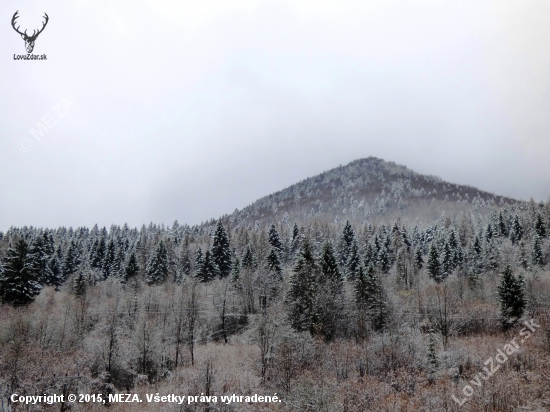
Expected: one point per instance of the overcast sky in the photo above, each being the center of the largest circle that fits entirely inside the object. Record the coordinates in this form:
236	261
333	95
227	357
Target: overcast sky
164	110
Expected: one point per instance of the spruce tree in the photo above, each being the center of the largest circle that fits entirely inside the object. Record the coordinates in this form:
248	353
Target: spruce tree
99	253
384	262
274	264
536	251
248	259
108	259
354	260
346	241
516	232
275	240
301	297
19	280
236	273
446	261
38	249
70	261
540	226
131	267
221	251
433	265
418	259
511	297
79	285
370	297
157	268
208	270
328	263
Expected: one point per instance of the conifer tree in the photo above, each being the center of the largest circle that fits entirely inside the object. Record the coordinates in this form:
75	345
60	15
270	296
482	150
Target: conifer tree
221	251
354	260
433	265
274	264
38	251
98	253
346	241
375	299
433	361
248	260
19	279
108	259
522	256
208	270
301	297
79	285
157	268
236	273
511	297
54	266
131	267
384	262
502	227
536	251
540	226
328	263
516	232
446	261
70	261
418	259
275	240
199	261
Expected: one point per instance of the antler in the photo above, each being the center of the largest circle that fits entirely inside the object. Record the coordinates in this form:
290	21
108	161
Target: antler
15	16
43	25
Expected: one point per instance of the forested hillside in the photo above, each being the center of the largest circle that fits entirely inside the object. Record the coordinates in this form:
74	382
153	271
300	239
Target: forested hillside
368	287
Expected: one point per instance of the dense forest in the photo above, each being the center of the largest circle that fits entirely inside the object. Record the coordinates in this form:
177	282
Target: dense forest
379	309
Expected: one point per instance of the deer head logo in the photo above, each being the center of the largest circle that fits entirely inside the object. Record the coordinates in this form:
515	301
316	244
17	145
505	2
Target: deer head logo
29	40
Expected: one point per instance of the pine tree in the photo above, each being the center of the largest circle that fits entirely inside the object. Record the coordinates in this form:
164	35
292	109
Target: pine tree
199	262
301	298
157	268
536	251
221	251
511	297
433	266
19	280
